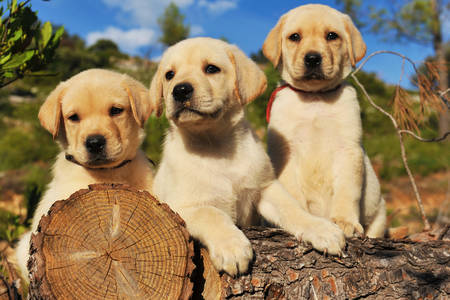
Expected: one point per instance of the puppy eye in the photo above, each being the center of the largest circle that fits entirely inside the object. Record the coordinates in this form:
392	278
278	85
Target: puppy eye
169	75
295	37
211	69
114	111
74	118
332	36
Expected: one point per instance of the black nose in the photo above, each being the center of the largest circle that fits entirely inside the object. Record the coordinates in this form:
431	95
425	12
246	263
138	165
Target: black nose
312	60
182	92
95	144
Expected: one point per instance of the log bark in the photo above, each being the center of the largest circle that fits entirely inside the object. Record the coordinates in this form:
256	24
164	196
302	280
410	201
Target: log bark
110	242
369	269
114	242
9	284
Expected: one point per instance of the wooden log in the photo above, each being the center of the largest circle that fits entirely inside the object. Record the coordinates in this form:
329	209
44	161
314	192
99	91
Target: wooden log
369	269
114	242
111	242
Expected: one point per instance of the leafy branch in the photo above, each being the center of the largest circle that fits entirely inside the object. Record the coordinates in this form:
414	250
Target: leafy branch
26	45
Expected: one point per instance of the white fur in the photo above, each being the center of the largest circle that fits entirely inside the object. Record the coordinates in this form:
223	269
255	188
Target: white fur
103	89
326	168
215	173
315	132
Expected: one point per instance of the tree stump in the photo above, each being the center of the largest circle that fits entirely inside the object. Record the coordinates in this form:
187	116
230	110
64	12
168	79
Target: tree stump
110	242
370	269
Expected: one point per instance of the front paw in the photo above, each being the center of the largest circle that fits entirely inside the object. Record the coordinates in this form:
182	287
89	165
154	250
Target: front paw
231	252
323	236
349	227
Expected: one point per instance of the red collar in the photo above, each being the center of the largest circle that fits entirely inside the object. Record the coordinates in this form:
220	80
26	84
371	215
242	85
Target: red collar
272	98
274	94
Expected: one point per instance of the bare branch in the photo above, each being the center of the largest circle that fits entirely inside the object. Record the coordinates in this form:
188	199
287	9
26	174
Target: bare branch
439	139
444	99
386	52
400	137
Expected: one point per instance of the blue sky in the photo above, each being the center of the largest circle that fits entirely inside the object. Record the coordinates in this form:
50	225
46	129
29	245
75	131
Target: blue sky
132	24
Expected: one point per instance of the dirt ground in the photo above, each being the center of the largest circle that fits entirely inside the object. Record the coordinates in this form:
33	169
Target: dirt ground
402	205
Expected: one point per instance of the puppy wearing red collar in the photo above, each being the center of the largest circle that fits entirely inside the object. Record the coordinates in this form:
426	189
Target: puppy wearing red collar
97	118
315	130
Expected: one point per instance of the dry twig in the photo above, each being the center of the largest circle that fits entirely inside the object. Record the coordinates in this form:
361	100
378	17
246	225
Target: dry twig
407	118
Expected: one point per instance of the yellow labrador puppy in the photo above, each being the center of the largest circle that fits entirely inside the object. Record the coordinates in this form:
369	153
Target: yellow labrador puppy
98	117
214	171
315	131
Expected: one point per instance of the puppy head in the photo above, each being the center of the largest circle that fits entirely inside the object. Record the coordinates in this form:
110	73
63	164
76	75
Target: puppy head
315	47
98	116
202	80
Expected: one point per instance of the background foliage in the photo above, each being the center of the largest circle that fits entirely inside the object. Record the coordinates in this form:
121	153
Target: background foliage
42	58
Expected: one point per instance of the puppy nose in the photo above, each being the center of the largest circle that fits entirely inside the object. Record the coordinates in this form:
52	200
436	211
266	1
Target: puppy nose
312	59
95	144
182	92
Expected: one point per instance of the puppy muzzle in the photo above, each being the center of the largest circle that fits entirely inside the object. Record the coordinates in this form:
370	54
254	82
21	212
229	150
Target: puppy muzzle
98	165
185	103
313	64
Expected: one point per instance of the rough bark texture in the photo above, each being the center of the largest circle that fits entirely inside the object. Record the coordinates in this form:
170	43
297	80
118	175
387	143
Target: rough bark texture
370	269
110	242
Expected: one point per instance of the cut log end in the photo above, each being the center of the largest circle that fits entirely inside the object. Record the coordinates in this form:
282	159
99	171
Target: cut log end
111	242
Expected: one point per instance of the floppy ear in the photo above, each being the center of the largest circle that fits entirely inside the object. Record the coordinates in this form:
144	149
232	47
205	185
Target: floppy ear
156	93
355	43
250	81
50	111
272	45
139	98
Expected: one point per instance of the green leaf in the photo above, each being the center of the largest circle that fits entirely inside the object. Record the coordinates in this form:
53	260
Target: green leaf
46	34
13	5
8	74
17	35
19	59
5	59
57	36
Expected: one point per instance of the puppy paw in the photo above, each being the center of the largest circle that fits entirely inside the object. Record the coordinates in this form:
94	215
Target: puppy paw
323	236
350	228
231	253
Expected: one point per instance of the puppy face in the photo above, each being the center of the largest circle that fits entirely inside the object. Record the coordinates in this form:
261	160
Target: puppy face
315	45
202	80
98	116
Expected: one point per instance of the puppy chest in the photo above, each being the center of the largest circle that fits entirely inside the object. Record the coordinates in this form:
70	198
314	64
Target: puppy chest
314	135
220	181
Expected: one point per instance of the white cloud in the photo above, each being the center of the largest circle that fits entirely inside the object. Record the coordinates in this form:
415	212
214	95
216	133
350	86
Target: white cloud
196	30
218	6
144	12
128	40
